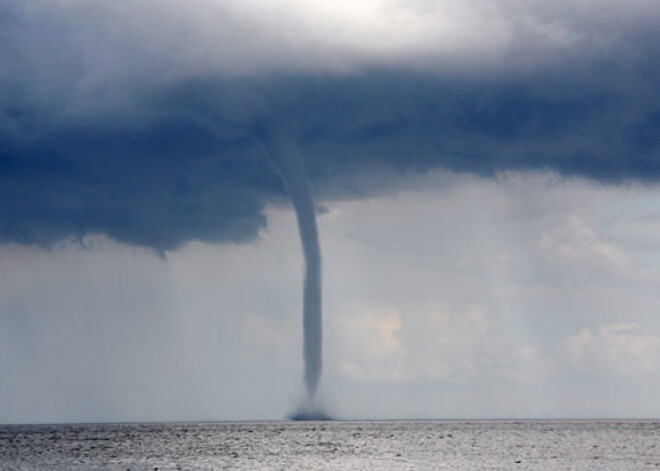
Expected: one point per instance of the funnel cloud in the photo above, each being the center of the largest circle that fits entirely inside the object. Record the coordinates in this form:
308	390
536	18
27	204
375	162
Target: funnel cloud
285	157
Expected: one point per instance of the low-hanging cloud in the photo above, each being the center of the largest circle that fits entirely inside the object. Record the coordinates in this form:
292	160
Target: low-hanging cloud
138	120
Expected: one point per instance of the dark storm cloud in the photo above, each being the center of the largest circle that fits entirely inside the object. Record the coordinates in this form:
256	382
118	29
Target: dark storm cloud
116	144
156	187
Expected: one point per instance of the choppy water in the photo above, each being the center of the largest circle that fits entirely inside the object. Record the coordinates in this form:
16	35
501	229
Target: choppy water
390	445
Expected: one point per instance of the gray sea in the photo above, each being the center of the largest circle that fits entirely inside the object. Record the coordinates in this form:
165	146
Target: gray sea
371	445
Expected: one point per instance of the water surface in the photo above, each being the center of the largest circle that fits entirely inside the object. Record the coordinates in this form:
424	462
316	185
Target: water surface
373	445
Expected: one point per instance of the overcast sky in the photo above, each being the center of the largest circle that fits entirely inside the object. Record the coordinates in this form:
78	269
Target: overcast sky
486	176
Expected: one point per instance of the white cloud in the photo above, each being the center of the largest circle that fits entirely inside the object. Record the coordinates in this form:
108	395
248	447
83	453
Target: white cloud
623	349
433	347
371	349
166	39
578	244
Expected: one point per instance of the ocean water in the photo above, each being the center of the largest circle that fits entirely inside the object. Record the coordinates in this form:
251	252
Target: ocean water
373	445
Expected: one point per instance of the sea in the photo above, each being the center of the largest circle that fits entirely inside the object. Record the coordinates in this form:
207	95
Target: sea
347	445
